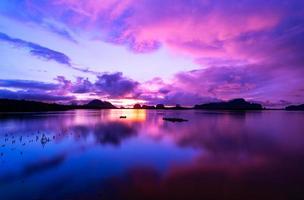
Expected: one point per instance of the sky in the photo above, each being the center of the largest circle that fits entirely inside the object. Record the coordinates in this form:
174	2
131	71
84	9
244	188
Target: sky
152	51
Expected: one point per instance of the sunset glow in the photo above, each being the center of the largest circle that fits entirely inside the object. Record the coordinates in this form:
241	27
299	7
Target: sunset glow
151	99
149	52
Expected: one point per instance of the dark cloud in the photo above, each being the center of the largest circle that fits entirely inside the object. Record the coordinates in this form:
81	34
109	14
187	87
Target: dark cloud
110	85
27	84
221	81
82	85
45	53
38	50
177	97
35	95
264	82
61	32
115	85
186	98
249	48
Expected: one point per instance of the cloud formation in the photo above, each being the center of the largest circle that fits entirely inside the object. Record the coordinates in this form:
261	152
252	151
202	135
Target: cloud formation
196	27
115	84
27	84
37	50
248	48
44	52
107	85
35	95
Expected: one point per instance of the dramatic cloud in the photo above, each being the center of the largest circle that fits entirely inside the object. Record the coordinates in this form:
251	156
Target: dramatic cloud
44	52
111	85
27	84
34	95
175	97
254	82
263	83
201	28
195	26
81	85
60	31
107	85
157	91
249	48
115	84
37	50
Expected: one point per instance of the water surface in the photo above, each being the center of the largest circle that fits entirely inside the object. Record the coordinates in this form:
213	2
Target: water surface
86	154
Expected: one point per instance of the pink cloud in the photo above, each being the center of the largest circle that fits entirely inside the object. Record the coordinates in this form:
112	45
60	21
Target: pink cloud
200	29
197	34
249	48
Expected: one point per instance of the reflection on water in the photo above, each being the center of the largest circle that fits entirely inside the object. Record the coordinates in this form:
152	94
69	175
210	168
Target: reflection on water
96	155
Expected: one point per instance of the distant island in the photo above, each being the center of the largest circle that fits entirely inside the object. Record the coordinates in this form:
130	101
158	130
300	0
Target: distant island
97	104
235	104
293	107
10	105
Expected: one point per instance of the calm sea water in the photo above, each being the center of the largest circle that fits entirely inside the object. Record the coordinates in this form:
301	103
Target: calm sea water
96	155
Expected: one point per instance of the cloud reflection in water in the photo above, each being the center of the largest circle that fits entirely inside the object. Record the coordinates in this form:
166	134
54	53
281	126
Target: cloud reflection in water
95	154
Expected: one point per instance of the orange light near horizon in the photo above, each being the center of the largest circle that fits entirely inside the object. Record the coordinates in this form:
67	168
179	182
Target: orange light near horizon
87	97
133	115
127	103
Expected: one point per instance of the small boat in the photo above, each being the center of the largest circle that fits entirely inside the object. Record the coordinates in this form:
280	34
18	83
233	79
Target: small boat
123	117
173	119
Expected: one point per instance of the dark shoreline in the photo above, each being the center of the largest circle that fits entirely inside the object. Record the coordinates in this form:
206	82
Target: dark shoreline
237	105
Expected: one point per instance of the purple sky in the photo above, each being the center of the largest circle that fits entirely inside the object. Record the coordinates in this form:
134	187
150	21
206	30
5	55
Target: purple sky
153	51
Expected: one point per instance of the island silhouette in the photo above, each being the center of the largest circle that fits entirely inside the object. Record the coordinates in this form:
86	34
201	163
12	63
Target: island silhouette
14	105
235	104
295	107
